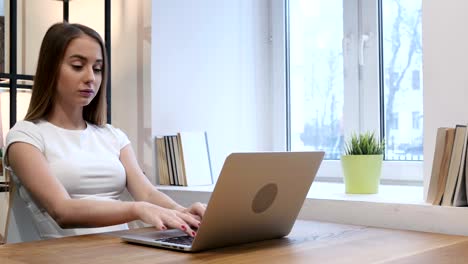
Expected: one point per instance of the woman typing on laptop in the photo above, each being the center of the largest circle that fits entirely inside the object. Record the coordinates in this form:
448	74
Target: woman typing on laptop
68	165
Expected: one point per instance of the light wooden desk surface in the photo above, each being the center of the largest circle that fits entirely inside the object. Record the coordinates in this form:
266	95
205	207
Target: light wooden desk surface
309	242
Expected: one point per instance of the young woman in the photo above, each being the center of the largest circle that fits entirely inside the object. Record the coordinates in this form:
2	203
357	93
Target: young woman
70	167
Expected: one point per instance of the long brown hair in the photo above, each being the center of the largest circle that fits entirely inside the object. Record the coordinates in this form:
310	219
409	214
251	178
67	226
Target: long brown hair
53	47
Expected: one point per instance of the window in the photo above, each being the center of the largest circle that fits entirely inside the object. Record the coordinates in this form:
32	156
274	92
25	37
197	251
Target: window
354	65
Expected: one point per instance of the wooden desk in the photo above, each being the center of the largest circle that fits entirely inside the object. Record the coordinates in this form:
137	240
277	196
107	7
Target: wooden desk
309	242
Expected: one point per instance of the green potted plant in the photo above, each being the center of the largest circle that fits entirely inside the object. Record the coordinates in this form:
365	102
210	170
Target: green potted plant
362	163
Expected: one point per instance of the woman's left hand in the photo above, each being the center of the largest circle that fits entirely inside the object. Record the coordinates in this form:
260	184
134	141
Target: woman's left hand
196	209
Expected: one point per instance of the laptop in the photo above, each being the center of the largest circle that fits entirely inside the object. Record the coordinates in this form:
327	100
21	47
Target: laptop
257	197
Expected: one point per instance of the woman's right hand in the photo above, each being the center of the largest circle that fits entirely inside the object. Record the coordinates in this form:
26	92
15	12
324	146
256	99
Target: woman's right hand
162	218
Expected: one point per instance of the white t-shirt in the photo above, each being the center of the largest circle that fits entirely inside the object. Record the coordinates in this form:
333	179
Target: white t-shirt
85	161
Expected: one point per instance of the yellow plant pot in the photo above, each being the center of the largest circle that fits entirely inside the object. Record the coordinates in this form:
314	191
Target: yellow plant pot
362	173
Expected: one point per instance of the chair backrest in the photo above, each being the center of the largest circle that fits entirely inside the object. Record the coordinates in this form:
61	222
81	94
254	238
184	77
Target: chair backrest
20	225
4	210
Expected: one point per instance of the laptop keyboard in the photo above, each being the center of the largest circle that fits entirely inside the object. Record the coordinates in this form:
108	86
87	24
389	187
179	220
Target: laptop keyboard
182	240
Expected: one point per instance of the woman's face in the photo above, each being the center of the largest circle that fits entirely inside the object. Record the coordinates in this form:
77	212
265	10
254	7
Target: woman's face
80	73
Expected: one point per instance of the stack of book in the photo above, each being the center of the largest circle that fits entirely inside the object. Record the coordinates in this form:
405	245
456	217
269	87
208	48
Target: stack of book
183	159
448	184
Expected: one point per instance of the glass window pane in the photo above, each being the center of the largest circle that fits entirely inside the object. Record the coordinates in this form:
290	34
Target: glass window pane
402	55
22	104
3	38
4	114
89	13
32	25
316	75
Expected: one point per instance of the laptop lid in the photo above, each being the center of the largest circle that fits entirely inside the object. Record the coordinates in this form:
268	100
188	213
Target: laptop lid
257	197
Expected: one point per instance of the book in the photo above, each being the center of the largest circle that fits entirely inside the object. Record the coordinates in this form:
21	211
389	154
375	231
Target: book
183	159
170	167
444	167
455	164
175	176
465	175
161	159
195	157
178	161
459	198
441	138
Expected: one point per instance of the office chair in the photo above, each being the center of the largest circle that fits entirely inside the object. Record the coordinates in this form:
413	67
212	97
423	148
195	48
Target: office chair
19	225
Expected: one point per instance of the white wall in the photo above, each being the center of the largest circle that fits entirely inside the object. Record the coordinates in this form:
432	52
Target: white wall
445	53
131	76
210	71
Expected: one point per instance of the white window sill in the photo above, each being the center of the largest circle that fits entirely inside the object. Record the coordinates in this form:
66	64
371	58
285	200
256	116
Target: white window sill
387	193
336	191
399	207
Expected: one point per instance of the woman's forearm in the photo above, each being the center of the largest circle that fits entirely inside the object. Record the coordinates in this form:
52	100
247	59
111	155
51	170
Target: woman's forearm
159	198
91	213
